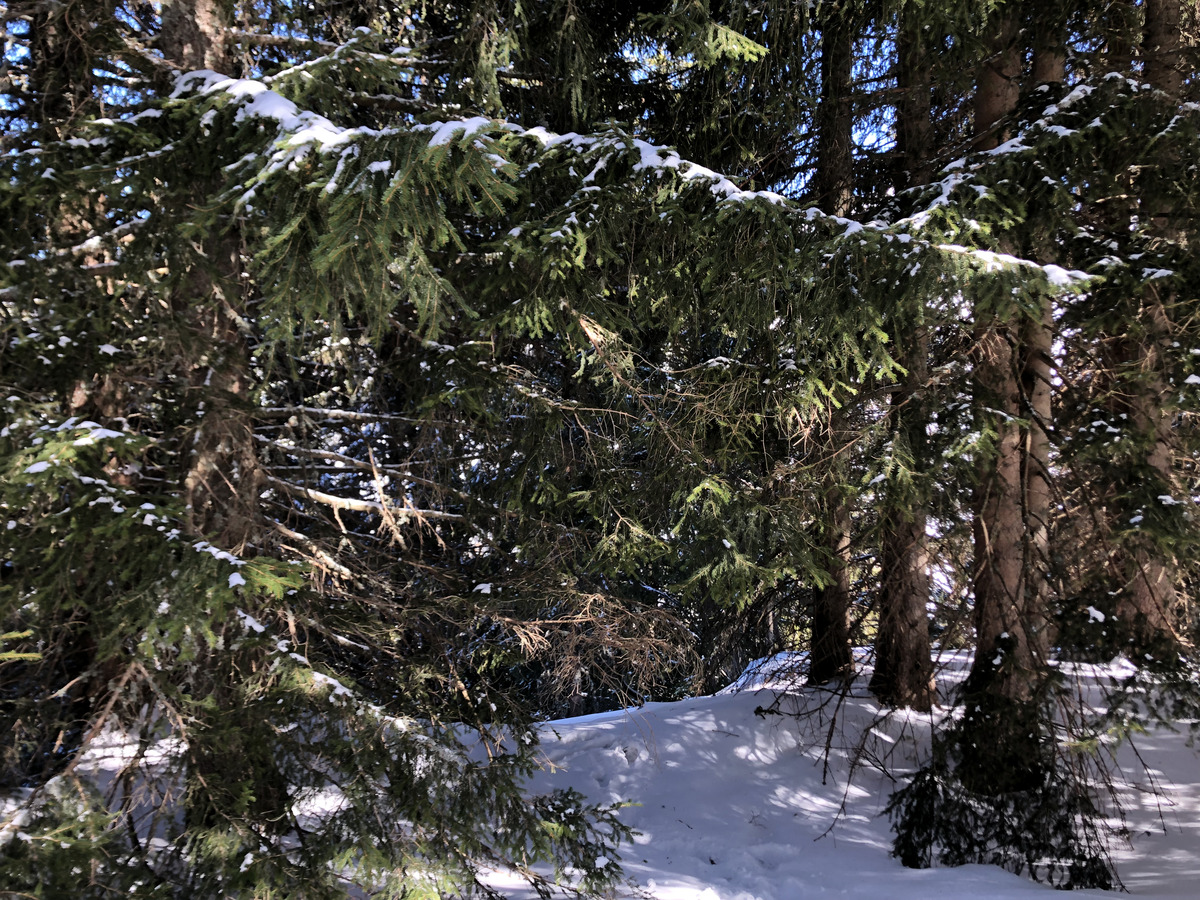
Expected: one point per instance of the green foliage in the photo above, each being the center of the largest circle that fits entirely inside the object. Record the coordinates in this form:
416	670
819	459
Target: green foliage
1001	789
365	407
1040	831
694	35
300	708
67	843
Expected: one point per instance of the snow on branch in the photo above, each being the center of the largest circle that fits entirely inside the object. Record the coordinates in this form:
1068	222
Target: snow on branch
301	132
994	262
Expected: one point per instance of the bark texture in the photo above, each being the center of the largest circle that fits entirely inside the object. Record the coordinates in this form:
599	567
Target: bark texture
1037	363
1161	46
194	34
914	123
997	86
1010	613
831	657
1120	32
222	478
834	177
903	674
1005	622
1049	57
1147	597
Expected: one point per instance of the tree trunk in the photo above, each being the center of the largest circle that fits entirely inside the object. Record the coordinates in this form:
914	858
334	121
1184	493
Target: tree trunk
222	478
1004	624
1161	46
997	86
903	668
834	190
831	657
1120	34
834	177
914	116
1147	599
1010	615
903	674
194	34
1049	55
1037	361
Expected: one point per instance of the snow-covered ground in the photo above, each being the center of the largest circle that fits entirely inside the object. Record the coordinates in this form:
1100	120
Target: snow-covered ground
739	804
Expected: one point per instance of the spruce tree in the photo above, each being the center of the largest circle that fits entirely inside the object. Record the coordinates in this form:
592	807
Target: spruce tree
302	702
353	418
380	380
1050	193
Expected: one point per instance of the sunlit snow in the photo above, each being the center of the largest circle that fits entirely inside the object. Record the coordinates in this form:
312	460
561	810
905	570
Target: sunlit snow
737	802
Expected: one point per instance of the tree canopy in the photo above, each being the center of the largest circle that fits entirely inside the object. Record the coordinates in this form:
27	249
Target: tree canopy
378	380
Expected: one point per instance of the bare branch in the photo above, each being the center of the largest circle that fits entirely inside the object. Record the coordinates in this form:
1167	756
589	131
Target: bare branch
311	547
284	412
368	506
278	40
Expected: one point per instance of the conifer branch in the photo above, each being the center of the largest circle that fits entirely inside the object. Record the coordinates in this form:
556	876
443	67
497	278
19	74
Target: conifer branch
285	412
390	101
374	507
241	36
349	462
310	547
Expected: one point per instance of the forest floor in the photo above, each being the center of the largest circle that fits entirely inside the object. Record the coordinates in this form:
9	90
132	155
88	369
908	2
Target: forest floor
772	791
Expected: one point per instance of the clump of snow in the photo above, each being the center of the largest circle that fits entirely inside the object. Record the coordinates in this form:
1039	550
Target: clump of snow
218	553
250	622
97	434
337	689
445	132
